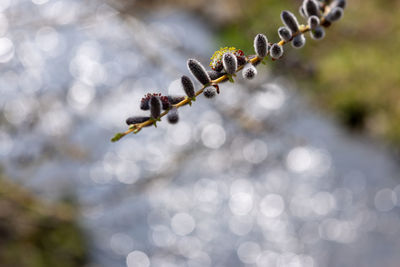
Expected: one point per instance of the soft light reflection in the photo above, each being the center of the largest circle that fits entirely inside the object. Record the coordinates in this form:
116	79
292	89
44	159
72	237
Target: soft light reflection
137	259
17	110
385	200
4	4
99	175
189	247
6	50
323	203
255	151
121	243
308	159
241	203
180	134
6	144
213	136
47	39
248	252
80	95
162	236
40	2
3	24
182	224
241	225
272	205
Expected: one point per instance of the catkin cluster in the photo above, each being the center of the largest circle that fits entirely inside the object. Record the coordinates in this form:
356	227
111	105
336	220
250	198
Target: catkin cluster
227	61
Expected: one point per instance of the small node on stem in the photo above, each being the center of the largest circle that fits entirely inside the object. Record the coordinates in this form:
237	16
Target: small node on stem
117	136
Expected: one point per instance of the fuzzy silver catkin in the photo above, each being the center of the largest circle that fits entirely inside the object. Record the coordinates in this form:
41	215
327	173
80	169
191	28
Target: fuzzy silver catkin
198	71
313	22
285	34
155	107
338	3
173	100
261	45
276	51
299	41
311	8
302	12
318	33
136	119
290	20
188	86
249	71
209	92
173	116
230	63
215	74
335	14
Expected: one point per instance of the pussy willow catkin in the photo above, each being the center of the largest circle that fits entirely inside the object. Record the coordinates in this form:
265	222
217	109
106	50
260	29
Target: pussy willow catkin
227	61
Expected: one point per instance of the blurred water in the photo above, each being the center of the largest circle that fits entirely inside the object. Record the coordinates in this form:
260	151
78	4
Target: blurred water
254	178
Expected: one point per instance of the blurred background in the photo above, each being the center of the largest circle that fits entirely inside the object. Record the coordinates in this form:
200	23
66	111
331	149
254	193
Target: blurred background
299	167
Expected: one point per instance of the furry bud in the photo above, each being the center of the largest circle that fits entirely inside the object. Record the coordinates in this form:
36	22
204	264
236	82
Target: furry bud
249	71
198	71
335	14
318	33
230	63
299	41
285	34
173	100
338	3
313	22
302	12
165	102
311	8
136	119
155	107
214	74
261	45
173	116
290	21
276	51
144	104
209	92
188	86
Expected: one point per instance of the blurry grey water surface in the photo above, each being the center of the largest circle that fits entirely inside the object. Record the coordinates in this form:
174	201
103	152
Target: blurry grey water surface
255	177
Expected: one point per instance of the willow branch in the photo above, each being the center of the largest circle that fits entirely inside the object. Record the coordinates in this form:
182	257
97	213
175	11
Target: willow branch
135	128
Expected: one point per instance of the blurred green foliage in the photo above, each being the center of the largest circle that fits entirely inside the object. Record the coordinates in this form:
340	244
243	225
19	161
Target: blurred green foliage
353	71
37	234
